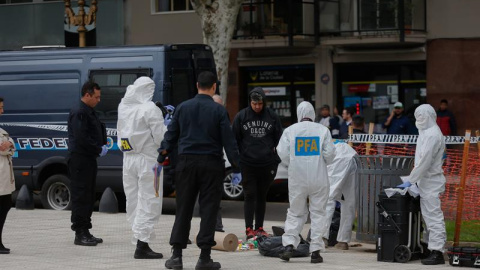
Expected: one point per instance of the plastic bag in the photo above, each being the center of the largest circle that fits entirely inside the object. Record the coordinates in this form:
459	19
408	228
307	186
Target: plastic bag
272	247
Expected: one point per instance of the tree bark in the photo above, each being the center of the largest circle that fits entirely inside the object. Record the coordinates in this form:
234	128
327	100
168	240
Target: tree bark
218	19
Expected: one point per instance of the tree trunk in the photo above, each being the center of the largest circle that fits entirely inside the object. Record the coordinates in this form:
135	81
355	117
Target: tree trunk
218	19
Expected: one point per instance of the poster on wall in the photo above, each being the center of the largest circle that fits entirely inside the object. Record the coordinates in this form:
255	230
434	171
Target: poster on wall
381	102
275	91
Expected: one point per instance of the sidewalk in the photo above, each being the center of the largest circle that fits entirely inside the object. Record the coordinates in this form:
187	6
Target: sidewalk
42	239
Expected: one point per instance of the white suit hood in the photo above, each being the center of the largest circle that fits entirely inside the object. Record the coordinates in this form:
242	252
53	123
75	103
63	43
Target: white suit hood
305	110
140	122
141	91
425	116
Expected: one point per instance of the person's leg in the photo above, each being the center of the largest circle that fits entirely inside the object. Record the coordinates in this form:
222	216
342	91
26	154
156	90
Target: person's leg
149	207
330	210
81	171
437	236
297	215
210	185
265	179
186	195
318	203
250	194
347	212
130	187
5	205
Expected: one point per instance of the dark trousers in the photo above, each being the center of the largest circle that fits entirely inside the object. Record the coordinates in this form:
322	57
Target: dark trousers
5	205
202	176
83	174
256	182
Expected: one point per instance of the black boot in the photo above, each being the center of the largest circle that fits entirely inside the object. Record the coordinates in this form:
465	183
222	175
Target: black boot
287	253
96	239
209	264
175	262
4	250
144	251
82	238
436	257
316	258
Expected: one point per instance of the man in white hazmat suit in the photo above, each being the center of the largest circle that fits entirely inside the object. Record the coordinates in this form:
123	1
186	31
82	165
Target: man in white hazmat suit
427	174
306	148
140	130
341	174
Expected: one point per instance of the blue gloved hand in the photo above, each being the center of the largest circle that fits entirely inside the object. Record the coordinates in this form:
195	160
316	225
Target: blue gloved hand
104	151
157	168
170	108
167	119
405	184
236	179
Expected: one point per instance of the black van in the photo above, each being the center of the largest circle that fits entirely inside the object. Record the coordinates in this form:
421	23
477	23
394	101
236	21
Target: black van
41	85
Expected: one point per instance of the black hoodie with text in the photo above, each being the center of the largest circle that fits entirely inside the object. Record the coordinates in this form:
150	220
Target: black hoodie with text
257	135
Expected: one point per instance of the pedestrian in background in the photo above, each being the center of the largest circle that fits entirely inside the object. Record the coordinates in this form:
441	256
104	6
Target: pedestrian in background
446	120
7	178
140	130
331	122
86	142
306	149
201	129
398	122
347	116
257	130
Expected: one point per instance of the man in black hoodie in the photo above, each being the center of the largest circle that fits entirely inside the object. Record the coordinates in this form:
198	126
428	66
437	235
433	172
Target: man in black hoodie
257	130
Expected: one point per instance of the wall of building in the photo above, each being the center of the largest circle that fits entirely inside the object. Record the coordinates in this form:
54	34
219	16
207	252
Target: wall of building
143	26
36	24
453	19
453	73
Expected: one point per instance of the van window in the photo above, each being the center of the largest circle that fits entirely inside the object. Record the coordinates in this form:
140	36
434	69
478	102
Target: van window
114	85
40	93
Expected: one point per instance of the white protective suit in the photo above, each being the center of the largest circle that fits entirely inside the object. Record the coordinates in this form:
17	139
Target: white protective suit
306	148
428	174
140	130
341	174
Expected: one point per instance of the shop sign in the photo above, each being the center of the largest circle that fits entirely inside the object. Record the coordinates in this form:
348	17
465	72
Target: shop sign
381	102
275	91
358	88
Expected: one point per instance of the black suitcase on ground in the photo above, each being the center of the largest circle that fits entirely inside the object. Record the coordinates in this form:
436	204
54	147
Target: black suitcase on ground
464	256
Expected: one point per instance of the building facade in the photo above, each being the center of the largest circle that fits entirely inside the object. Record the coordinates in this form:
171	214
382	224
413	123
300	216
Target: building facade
363	53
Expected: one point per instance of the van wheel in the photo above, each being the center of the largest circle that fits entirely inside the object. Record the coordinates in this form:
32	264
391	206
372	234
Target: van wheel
56	193
229	191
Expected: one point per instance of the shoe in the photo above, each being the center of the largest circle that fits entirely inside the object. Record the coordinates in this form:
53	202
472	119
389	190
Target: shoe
287	253
96	239
144	251
82	238
316	258
341	246
260	232
250	233
174	263
436	257
207	265
4	250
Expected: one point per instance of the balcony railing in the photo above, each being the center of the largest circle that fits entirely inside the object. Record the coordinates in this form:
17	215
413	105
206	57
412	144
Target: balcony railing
291	19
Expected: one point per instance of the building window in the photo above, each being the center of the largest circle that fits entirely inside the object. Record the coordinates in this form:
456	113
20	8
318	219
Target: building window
13	2
172	5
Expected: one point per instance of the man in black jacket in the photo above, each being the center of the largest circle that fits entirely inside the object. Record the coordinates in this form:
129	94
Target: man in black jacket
257	130
201	129
86	141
